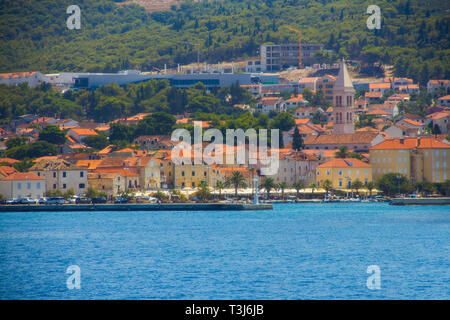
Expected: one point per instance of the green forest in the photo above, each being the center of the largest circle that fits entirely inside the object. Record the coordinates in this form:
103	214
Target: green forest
33	34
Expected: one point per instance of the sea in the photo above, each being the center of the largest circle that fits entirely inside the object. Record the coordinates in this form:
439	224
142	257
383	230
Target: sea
293	252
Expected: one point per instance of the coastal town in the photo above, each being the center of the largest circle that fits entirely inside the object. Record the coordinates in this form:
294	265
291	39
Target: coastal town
362	136
224	158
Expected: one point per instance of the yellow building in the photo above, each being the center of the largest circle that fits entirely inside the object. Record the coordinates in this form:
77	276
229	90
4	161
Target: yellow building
419	159
190	175
112	183
342	172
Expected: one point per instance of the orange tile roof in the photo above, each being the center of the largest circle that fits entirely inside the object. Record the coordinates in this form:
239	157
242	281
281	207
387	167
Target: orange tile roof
298	98
106	150
7	170
22	176
383	85
16	74
357	137
447	97
410	143
378	112
302	121
327	153
85	132
89	164
439	115
124	172
373	94
412	122
8	160
344	163
439	81
367	129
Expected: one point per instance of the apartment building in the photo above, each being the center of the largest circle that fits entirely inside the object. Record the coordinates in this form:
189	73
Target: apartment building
436	86
62	175
21	185
278	57
419	159
325	85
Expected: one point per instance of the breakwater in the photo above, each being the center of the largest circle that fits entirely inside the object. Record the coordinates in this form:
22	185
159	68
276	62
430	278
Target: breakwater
138	207
419	201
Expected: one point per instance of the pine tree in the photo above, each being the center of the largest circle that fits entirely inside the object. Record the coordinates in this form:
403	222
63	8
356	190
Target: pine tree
297	142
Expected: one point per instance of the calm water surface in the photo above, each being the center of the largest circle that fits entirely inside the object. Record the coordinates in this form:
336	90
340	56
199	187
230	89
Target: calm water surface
296	251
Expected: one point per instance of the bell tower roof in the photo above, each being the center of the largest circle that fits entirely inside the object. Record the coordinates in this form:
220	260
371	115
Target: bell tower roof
343	81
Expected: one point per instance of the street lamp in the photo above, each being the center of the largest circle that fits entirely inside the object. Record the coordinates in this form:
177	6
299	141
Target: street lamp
349	184
255	199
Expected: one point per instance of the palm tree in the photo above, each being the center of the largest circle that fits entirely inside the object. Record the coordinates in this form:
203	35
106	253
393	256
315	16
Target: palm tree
220	185
268	184
356	185
342	152
203	191
282	186
327	185
370	186
237	180
313	186
298	186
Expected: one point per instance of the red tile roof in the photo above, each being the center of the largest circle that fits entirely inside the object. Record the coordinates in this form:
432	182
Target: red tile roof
22	176
411	143
344	163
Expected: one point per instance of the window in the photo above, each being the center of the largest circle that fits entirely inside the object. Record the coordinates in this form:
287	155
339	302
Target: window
54	174
64	185
340	183
182	173
328	172
193	184
64	174
81	174
182	184
193	173
54	186
38	185
28	185
19	185
340	172
81	186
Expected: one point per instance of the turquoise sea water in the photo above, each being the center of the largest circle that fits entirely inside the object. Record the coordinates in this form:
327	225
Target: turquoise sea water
296	251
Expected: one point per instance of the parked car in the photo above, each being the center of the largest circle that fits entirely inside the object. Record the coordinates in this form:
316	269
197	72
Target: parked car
12	201
2	201
121	200
55	200
72	199
27	200
42	200
82	200
99	200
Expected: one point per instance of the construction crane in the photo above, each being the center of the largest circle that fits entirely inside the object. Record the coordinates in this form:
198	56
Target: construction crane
300	65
